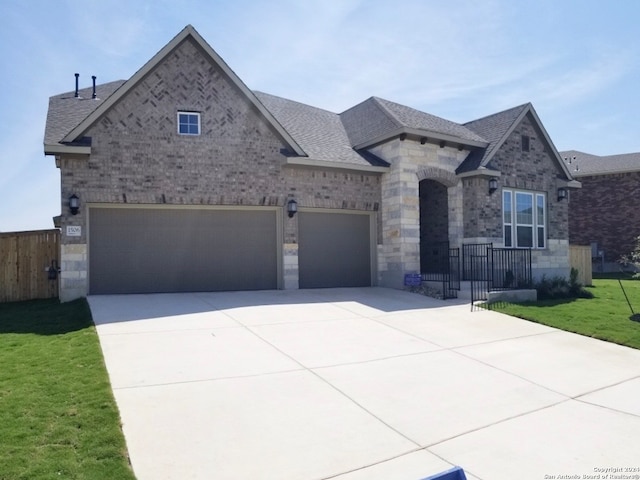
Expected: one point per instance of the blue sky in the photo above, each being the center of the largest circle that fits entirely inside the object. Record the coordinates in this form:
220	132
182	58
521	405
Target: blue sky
577	61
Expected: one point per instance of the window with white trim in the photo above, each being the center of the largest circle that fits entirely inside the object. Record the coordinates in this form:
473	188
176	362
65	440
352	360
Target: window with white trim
188	123
524	217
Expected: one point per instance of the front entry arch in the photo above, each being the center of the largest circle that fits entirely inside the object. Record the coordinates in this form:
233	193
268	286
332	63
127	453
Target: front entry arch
434	223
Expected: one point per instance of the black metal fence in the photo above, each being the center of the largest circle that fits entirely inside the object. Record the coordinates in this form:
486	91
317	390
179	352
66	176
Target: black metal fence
440	263
494	269
511	268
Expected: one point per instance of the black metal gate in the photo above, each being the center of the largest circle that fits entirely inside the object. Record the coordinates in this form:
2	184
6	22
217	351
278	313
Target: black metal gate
440	263
477	260
474	258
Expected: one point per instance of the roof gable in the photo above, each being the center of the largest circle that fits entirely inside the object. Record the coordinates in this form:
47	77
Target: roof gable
497	128
187	32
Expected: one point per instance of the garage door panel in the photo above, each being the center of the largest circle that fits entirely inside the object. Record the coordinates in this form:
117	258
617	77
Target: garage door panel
158	250
334	250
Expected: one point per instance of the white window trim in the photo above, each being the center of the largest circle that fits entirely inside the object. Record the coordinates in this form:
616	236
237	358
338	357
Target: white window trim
185	112
535	225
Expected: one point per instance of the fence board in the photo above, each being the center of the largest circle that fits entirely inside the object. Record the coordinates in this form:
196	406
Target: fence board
580	259
24	258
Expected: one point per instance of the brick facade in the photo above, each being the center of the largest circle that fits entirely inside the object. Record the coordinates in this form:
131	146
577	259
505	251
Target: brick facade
535	171
605	211
137	157
240	159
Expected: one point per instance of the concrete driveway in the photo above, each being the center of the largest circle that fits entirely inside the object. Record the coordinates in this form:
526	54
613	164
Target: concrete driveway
358	384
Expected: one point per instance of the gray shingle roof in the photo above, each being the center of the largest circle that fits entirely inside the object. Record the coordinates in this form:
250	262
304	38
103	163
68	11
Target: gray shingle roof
410	117
376	118
582	164
319	132
66	111
323	135
493	128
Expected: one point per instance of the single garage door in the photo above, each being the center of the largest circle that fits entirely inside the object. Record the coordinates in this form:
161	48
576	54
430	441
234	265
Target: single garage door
134	250
334	250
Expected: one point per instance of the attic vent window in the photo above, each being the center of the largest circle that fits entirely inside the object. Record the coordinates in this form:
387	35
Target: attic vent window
188	123
525	143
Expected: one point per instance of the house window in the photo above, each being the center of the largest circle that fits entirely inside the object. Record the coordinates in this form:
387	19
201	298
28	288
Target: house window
188	123
525	143
524	219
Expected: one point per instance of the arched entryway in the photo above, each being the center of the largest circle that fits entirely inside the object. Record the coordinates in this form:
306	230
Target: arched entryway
434	225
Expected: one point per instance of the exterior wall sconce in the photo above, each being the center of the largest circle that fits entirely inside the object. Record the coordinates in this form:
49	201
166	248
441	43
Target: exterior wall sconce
493	185
74	204
292	208
562	193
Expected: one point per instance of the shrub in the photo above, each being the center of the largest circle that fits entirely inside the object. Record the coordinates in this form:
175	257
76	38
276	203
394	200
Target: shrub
559	287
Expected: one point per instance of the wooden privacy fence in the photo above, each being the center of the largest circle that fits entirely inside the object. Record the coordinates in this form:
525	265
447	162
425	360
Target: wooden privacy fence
24	260
580	259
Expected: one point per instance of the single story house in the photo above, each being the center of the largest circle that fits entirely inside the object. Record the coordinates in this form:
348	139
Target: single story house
181	178
604	213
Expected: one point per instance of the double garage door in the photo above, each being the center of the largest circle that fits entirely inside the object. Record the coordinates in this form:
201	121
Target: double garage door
151	250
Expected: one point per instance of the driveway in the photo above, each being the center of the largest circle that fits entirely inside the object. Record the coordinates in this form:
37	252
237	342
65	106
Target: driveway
361	383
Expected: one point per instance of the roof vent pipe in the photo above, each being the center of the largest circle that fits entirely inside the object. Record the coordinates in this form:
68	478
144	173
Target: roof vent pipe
77	94
93	77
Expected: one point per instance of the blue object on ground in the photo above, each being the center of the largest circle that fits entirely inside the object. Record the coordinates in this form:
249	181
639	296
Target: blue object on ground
456	473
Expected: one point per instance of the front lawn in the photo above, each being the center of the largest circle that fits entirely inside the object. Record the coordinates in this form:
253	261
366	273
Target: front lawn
606	316
58	417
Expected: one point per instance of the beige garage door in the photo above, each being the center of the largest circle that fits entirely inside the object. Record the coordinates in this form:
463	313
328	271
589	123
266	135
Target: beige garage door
181	250
334	250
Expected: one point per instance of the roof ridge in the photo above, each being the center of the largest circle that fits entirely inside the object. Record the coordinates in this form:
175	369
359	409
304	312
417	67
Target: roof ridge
258	92
522	106
390	115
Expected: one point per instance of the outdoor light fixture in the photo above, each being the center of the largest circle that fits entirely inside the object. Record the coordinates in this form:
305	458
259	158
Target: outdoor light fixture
74	204
562	193
493	185
292	208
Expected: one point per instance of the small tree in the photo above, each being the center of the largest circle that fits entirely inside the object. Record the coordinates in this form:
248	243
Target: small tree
632	259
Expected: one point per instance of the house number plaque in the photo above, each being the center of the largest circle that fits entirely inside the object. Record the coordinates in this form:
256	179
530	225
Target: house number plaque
74	231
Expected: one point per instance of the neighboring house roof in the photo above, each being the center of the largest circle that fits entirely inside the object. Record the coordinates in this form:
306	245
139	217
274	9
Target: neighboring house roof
320	133
583	164
376	120
496	129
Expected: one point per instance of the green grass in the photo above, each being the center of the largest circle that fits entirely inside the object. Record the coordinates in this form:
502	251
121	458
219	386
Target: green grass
607	316
58	417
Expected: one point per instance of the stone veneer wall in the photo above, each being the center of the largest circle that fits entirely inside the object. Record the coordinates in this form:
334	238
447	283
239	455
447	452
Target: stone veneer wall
605	210
138	158
399	252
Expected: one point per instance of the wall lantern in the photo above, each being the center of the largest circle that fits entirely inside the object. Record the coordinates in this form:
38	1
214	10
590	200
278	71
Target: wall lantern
74	204
562	193
493	185
292	208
